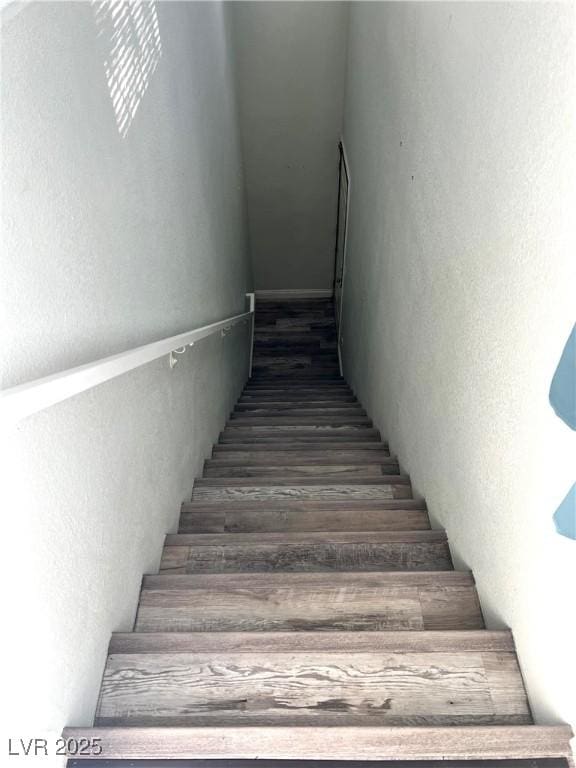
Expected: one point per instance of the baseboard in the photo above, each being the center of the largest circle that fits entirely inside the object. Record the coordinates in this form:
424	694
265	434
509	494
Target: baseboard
295	293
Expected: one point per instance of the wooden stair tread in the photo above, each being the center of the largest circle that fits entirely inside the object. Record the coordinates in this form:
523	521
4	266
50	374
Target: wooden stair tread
407	601
297	381
271	401
309	551
368	537
317	351
294	427
318	458
307	441
306	678
285	458
286	505
298	374
271	421
335	743
283	406
308	445
282	436
272	414
235	471
313	488
309	392
304	387
265	480
294	387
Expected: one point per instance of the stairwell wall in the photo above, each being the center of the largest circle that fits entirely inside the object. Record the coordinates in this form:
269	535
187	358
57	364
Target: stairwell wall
459	293
116	233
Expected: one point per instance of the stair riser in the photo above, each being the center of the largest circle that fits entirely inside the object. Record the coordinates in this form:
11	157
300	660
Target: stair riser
296	442
268	345
295	377
302	557
316	350
303	481
295	384
323	447
241	421
296	400
214	469
299	406
221	520
307	412
357	432
287	458
305	393
321	365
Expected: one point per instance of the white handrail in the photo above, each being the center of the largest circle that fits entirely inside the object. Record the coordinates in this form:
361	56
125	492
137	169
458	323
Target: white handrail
18	402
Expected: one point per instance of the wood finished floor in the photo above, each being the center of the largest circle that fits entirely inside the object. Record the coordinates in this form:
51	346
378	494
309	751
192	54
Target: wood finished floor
305	590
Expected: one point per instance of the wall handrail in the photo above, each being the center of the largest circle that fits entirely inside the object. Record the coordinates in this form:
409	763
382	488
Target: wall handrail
25	399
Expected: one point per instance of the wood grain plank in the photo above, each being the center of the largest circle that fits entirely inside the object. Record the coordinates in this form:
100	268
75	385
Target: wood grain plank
309	445
266	481
227	470
305	687
379	551
285	441
314	505
349	537
242	421
298	406
343	743
318	458
304	515
489	642
220	519
286	410
273	602
288	429
294	491
263	397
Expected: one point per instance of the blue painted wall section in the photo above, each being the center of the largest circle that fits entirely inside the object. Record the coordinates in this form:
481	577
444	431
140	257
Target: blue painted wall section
563	387
565	515
563	400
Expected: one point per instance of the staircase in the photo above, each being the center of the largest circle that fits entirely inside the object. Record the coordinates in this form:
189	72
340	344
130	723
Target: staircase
305	610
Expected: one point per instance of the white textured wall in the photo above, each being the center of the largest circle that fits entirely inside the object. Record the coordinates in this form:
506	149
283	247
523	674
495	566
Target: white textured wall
459	295
109	242
291	60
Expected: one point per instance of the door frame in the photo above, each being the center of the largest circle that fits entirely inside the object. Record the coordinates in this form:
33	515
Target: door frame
343	167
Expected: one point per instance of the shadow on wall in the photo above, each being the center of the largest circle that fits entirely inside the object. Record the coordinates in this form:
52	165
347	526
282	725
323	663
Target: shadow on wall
130	35
563	401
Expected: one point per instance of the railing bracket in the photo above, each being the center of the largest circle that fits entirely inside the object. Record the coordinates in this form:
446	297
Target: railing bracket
172	360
